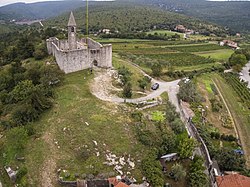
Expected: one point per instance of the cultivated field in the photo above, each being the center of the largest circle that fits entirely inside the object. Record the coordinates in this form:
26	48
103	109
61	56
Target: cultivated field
179	55
240	113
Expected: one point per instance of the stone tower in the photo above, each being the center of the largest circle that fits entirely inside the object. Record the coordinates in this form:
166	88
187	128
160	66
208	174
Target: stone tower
72	32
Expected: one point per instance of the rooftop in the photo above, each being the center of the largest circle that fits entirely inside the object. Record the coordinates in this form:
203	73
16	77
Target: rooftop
72	21
233	180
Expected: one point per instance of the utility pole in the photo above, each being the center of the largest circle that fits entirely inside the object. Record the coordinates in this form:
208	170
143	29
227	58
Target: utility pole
87	21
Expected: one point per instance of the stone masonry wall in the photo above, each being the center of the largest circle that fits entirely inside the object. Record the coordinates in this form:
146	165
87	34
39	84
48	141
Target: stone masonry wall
79	59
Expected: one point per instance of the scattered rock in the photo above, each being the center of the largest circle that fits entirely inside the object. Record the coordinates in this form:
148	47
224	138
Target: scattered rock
95	142
122	161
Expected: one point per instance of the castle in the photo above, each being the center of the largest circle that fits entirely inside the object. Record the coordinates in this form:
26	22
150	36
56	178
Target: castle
77	54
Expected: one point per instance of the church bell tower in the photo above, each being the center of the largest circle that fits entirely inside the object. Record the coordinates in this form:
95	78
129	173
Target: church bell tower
72	32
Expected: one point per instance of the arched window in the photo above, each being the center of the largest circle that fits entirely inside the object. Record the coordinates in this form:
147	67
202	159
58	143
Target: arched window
72	29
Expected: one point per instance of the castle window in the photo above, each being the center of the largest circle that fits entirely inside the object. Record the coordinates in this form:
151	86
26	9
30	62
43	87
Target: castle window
72	29
95	63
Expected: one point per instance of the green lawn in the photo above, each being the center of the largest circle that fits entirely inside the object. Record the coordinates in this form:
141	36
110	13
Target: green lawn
222	54
197	67
163	32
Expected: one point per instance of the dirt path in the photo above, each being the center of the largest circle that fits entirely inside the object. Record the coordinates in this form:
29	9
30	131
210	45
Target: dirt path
48	174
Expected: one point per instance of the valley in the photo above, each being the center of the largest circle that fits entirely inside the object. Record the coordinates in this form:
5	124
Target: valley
171	110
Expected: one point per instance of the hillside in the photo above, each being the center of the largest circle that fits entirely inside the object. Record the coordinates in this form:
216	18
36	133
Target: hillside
40	10
234	15
126	18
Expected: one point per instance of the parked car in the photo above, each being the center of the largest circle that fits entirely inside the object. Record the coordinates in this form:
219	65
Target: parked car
155	86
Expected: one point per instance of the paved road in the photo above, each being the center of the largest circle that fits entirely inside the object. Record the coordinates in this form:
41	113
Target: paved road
171	88
245	74
102	89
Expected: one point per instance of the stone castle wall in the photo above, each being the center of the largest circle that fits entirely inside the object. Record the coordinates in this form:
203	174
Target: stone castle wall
79	59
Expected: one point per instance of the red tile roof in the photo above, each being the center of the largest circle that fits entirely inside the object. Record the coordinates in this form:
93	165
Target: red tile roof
117	183
113	181
233	180
121	184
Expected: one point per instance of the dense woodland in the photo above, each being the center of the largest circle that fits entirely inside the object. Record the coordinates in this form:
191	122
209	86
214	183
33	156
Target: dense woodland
233	15
25	85
128	18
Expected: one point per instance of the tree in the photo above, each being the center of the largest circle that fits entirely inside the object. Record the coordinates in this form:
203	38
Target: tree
125	74
177	126
152	170
230	161
168	143
156	69
171	113
186	147
158	116
39	54
22	90
25	47
188	92
245	52
237	61
127	90
144	82
51	75
178	172
196	175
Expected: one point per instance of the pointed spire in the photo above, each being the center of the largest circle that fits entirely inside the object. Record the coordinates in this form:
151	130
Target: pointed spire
72	21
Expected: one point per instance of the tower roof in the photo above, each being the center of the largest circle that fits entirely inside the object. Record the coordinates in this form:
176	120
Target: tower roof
72	21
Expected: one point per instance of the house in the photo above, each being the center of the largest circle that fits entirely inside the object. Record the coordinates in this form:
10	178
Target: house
189	32
180	28
238	35
117	182
233	180
106	31
229	43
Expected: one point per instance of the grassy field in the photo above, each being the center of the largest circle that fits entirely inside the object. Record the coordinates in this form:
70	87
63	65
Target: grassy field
67	133
239	112
221	55
197	47
163	32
